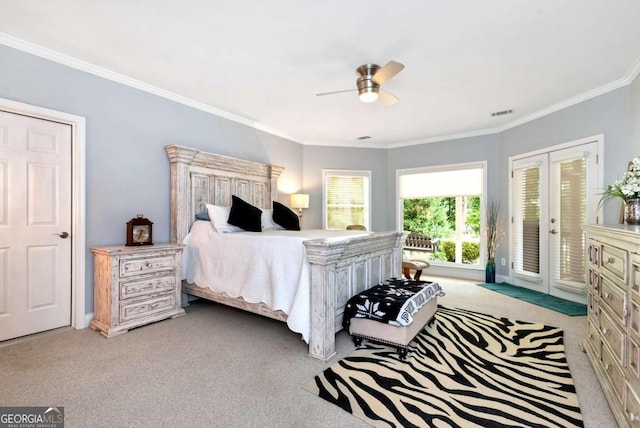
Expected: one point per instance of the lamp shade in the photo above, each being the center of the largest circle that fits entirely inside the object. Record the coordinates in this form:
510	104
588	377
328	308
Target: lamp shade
299	200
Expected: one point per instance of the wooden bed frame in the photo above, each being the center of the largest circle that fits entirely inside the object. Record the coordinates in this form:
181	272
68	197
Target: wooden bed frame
339	268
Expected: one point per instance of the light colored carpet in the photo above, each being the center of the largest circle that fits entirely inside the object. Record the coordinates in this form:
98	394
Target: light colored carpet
221	367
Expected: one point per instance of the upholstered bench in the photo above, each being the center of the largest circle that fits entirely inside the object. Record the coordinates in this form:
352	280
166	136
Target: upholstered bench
392	313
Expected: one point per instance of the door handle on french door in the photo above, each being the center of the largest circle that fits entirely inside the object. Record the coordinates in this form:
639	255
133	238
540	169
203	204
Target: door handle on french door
63	235
553	231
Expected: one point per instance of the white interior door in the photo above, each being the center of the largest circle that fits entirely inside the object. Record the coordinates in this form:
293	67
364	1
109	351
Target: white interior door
35	222
553	197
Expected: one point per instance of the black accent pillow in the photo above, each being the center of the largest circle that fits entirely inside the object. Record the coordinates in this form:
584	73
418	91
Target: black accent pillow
286	218
245	215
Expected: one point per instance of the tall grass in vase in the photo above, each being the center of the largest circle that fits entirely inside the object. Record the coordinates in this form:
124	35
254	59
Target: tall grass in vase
493	237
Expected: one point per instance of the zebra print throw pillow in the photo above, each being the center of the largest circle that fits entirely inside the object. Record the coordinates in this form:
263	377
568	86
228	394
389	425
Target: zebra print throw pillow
466	369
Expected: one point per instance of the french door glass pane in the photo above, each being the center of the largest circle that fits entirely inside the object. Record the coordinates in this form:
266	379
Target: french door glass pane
573	209
527	220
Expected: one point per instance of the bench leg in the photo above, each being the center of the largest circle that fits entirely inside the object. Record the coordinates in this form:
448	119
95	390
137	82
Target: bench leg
417	275
402	352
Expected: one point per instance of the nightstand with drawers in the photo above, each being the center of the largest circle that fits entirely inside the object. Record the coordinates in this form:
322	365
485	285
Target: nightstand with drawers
134	286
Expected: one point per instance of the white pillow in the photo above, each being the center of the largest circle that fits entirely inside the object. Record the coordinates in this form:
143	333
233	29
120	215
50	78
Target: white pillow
267	221
218	215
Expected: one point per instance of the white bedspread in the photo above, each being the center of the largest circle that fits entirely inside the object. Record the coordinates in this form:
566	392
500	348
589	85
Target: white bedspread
269	267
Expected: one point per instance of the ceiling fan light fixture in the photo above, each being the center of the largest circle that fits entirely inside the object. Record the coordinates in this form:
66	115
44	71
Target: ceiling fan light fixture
367	89
368	96
370	77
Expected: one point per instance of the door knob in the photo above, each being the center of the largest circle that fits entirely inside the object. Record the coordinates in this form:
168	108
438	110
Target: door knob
63	235
553	231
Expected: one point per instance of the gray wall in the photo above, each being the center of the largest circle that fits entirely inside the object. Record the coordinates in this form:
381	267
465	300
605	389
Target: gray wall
635	117
317	158
473	149
608	114
127	170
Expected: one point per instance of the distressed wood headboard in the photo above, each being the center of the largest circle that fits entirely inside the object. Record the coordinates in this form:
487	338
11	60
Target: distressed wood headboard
199	178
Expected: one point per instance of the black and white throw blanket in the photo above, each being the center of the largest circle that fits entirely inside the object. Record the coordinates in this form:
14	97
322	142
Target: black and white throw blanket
392	302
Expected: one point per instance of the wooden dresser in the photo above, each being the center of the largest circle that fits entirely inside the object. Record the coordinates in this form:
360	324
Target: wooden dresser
613	339
134	286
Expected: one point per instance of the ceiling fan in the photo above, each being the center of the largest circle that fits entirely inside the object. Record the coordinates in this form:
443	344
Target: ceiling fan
370	77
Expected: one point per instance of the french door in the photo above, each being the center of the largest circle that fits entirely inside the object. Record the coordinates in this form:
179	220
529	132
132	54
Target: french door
554	194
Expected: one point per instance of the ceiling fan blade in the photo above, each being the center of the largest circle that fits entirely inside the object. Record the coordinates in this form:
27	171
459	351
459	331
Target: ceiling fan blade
387	98
335	92
389	70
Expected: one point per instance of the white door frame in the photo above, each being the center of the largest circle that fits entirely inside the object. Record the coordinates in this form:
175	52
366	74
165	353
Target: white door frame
599	140
78	140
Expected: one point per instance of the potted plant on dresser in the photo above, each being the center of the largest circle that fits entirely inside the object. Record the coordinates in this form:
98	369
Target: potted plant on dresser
628	190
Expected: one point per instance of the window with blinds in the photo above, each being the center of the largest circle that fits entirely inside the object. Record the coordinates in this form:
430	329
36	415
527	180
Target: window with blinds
526	220
573	209
346	198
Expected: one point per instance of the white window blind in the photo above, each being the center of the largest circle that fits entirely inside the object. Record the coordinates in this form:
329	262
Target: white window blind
450	183
346	198
526	220
573	209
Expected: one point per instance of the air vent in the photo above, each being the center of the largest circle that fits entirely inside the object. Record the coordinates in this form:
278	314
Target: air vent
501	113
364	137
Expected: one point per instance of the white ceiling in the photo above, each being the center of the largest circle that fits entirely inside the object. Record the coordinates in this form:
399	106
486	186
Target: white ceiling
262	62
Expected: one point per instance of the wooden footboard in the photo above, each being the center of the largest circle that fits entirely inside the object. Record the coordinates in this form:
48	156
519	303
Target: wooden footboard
340	269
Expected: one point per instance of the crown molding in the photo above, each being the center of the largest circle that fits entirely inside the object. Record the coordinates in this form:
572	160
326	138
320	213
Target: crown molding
447	137
634	71
612	86
75	63
87	67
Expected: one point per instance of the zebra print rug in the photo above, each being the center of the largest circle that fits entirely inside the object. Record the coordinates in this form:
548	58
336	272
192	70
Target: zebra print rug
466	369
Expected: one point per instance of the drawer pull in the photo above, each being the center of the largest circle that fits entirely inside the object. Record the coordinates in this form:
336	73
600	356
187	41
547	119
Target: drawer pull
610	260
607	367
605	331
633	417
606	295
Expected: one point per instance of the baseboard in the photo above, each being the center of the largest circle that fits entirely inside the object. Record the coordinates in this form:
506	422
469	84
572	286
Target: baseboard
87	318
475	274
502	278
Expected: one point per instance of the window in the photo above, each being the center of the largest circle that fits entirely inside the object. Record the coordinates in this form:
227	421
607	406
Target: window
444	203
347	196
